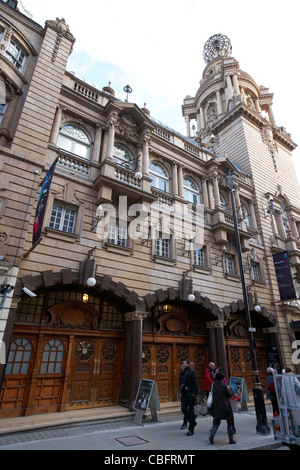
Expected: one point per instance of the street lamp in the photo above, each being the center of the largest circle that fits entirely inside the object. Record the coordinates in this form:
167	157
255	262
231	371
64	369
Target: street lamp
262	426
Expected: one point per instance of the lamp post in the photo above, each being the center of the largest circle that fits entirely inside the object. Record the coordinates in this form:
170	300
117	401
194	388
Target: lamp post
262	426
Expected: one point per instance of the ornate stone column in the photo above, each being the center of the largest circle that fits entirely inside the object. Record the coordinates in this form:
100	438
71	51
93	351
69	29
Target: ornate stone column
145	156
97	144
174	179
56	125
180	181
204	192
132	360
235	83
210	195
217	344
219	102
202	118
216	189
229	87
188	129
111	136
271	115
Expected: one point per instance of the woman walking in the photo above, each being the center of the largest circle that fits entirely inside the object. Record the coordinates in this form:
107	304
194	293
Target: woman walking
221	408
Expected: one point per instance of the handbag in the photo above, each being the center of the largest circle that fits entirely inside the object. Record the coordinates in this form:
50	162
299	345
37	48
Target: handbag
209	401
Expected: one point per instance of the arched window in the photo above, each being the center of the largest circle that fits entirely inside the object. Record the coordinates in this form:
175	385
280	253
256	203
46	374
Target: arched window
52	357
74	139
123	156
19	357
222	202
16	54
191	191
160	177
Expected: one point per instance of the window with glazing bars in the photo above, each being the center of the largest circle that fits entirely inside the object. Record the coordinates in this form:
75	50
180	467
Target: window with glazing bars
162	247
19	357
15	54
117	233
229	264
52	357
254	271
199	257
63	218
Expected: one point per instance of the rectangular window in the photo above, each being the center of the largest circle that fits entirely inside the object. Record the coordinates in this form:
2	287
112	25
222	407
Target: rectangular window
229	264
254	271
162	247
199	257
117	233
63	218
15	54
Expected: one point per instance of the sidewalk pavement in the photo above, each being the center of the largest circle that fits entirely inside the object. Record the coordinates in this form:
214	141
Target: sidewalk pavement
121	436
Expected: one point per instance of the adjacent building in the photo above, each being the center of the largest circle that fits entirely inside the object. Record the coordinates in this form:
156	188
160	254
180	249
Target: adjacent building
133	265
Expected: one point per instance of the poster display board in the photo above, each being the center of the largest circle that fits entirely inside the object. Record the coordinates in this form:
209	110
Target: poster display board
240	393
146	397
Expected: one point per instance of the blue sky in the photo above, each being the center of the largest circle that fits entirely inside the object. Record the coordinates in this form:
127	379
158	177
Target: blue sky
156	47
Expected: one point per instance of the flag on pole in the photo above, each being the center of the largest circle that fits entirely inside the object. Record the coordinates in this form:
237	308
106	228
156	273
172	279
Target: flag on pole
42	203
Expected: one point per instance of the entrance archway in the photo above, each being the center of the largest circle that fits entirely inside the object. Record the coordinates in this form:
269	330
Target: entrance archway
173	331
65	354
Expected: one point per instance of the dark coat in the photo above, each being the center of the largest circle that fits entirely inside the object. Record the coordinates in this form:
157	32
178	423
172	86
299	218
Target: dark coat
190	381
221	406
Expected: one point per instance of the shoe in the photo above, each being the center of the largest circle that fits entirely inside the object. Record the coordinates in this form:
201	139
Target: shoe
190	433
211	440
230	435
184	426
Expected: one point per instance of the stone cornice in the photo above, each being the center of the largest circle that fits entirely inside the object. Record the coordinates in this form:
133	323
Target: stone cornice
243	110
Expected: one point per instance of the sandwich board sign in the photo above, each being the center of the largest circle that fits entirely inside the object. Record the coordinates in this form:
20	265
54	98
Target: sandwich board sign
146	397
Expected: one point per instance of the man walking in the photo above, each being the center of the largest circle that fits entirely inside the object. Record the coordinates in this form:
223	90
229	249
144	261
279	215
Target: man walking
188	396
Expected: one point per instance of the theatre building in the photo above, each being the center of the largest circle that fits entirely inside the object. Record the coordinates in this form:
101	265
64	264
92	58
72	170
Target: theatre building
134	262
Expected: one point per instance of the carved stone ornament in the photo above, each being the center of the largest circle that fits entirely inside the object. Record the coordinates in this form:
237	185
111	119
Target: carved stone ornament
62	30
127	126
268	139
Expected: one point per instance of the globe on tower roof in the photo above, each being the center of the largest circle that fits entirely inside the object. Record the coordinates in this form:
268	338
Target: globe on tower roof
217	45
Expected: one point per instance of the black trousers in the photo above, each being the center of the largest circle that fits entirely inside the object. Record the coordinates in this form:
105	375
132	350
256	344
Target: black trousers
187	408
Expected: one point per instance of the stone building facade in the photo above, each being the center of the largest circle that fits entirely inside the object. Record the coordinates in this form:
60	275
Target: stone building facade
136	266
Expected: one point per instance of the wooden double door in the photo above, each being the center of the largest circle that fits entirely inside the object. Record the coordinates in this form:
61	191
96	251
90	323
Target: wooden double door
240	364
161	362
95	373
54	372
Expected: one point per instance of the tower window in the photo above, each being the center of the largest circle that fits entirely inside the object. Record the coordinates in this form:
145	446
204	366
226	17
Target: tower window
15	55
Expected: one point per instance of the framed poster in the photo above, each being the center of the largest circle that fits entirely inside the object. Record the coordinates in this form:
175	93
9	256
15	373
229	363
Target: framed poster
143	395
236	385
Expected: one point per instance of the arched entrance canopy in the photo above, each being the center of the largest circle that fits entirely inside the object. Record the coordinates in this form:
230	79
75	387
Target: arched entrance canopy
66	277
265	318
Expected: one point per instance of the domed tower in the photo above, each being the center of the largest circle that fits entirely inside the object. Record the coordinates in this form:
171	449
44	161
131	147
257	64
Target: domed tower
234	118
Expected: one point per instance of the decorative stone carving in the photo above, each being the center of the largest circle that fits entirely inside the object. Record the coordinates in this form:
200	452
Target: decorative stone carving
62	30
127	126
268	139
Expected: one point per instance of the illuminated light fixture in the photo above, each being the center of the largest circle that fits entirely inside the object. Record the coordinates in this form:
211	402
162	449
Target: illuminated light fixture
85	298
91	281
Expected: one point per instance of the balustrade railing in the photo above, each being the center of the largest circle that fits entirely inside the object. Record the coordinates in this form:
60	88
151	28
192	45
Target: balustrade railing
74	164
